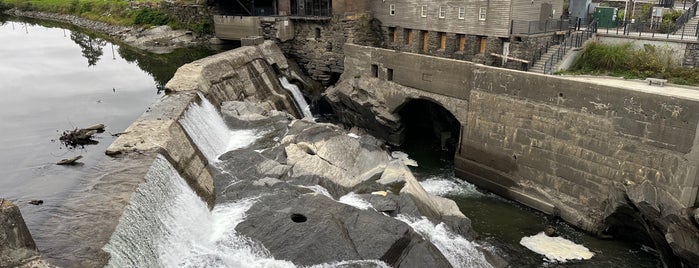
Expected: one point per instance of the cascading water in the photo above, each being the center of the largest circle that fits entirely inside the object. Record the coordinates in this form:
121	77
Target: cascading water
167	225
209	132
301	103
459	251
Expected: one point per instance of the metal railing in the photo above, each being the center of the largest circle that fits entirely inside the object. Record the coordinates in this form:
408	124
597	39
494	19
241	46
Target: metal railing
657	30
572	40
688	14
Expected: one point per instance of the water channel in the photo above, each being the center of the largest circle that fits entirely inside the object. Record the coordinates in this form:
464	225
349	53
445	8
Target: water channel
55	78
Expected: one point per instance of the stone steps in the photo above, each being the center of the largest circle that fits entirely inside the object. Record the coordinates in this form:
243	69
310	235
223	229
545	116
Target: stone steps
538	66
690	27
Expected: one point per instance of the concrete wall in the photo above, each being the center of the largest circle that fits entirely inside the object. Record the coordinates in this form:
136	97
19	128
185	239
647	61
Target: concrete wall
236	27
576	149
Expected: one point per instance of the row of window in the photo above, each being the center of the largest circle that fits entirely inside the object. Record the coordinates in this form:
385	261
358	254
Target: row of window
408	39
442	12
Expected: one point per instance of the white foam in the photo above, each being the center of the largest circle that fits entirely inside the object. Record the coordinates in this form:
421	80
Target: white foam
459	251
356	201
352	135
556	248
318	190
449	186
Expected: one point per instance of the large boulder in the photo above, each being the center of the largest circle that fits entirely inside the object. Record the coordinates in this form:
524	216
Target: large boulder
291	225
17	248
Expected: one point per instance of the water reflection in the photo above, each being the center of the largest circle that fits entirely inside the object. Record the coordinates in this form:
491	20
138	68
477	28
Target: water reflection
47	88
91	46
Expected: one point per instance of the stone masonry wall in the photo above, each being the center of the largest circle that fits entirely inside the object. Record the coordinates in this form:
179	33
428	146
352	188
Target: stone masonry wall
578	150
691	56
321	57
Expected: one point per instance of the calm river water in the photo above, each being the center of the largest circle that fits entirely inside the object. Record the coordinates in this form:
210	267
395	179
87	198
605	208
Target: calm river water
54	78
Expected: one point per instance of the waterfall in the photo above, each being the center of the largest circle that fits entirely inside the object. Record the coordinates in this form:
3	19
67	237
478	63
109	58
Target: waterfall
206	128
301	103
167	225
459	251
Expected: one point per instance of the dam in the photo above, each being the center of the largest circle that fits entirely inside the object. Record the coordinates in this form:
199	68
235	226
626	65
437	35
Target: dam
169	162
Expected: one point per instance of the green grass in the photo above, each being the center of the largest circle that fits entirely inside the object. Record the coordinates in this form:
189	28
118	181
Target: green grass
625	61
118	12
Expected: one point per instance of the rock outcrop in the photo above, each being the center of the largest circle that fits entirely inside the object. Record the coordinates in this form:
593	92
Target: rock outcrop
17	248
299	179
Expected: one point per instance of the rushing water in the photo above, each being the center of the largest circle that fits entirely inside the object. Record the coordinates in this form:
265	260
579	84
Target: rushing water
301	102
209	132
56	77
503	223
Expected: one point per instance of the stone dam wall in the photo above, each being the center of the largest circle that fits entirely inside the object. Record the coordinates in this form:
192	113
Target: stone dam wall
579	150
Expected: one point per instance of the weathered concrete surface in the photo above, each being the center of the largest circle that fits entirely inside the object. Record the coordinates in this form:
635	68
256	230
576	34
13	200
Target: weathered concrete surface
579	150
358	103
16	244
245	73
159	129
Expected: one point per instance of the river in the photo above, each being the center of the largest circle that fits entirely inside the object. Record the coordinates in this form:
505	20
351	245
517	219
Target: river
55	77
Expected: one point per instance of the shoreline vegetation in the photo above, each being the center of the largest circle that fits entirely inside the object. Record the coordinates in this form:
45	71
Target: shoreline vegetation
625	60
116	12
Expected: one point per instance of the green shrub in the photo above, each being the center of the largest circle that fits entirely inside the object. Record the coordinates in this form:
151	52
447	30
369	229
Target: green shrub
149	16
624	60
73	7
4	6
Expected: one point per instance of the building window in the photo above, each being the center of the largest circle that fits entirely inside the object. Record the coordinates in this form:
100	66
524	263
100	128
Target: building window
392	34
389	74
375	70
425	40
462	42
423	12
481	13
484	41
442	12
408	34
462	13
392	9
442	41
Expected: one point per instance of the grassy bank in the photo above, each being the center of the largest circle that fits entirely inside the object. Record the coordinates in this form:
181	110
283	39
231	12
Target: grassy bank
634	63
118	12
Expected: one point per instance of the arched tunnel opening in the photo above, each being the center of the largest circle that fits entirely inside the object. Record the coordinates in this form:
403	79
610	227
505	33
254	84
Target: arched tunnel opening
431	135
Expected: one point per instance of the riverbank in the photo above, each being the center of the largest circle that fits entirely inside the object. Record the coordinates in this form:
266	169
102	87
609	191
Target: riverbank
157	39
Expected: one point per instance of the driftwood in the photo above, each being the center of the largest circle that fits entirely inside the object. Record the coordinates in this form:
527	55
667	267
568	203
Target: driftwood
97	127
82	136
36	202
69	161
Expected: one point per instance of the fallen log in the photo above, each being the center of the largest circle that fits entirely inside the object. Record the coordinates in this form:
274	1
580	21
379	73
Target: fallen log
97	127
69	161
